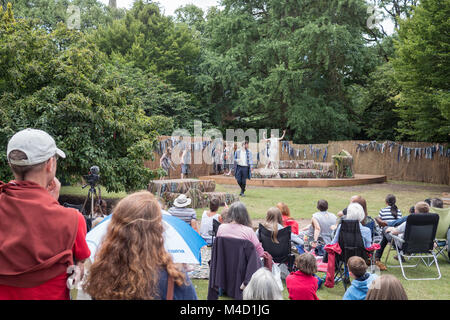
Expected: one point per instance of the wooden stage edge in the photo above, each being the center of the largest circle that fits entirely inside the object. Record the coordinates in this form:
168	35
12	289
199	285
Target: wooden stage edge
359	179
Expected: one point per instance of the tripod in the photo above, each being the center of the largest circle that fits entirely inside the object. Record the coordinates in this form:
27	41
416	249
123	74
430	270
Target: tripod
92	193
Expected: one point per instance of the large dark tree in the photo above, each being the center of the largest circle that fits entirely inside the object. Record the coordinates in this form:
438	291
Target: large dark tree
286	64
422	68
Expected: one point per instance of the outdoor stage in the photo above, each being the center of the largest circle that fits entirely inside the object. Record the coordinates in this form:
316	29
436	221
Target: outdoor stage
359	179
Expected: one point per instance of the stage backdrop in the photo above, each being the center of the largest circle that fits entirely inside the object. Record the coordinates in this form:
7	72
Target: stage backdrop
404	161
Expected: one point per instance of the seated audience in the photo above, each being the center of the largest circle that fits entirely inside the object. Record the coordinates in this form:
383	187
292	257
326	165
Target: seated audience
391	215
420	207
239	226
368	222
437	203
100	212
180	210
274	222
362	279
322	223
386	287
132	263
206	226
303	284
356	212
286	216
262	286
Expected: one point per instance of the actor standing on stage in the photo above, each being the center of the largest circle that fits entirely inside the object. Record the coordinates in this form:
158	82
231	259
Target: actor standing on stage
273	149
243	162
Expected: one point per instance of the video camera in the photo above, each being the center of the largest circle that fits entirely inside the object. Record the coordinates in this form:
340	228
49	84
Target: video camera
93	177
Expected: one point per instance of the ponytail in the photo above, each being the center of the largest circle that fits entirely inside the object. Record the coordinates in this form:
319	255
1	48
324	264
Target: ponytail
390	200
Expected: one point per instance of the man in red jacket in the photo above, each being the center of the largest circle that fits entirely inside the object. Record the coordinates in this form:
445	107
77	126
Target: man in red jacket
39	238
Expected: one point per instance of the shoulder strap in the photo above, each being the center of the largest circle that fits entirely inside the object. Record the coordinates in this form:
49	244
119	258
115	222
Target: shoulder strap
170	286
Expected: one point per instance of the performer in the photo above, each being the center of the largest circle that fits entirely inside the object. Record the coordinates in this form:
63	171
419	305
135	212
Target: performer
166	162
242	162
185	160
273	150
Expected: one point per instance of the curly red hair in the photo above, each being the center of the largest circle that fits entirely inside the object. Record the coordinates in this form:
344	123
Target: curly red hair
132	254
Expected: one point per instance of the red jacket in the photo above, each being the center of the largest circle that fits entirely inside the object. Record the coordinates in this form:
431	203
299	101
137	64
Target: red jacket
288	221
37	236
302	286
332	249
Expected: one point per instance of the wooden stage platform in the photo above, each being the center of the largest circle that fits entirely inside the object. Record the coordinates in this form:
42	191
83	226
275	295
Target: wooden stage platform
359	179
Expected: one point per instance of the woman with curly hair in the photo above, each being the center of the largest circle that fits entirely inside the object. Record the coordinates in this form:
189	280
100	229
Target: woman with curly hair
132	262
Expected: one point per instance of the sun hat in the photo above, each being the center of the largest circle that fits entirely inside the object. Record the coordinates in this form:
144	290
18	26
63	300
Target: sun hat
37	145
182	201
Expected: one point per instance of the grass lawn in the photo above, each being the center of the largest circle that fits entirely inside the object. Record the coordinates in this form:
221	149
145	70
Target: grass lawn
302	203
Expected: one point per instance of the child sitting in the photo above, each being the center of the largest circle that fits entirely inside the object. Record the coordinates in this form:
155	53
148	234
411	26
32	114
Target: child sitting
302	284
358	270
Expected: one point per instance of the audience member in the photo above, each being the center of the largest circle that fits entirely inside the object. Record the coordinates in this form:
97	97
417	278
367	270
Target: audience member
262	286
274	223
356	212
420	207
362	279
302	284
322	222
132	263
386	287
367	222
286	216
391	215
206	226
43	237
240	226
437	203
180	210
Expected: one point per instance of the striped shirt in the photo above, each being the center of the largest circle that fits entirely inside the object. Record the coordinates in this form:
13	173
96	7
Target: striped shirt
185	214
386	214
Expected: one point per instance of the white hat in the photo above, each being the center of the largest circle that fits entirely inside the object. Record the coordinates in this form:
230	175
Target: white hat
38	146
182	201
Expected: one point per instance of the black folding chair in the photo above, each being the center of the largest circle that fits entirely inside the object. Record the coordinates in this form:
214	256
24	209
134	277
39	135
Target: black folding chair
216	225
418	242
352	244
280	252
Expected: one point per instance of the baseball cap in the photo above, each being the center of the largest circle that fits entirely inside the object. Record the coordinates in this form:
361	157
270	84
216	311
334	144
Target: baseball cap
38	146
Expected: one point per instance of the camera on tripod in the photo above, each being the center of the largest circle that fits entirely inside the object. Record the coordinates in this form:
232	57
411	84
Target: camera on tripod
95	198
93	177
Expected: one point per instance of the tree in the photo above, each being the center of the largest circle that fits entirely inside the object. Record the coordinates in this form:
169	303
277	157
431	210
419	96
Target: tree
421	68
154	43
288	63
49	13
192	15
59	82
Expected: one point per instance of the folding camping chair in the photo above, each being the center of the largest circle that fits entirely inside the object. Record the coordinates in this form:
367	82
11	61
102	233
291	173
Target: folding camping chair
216	225
280	252
352	244
418	242
442	232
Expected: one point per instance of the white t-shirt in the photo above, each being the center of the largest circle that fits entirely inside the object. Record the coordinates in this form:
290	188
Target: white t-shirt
242	161
207	224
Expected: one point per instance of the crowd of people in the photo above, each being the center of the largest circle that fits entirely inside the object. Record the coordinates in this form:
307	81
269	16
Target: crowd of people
41	239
